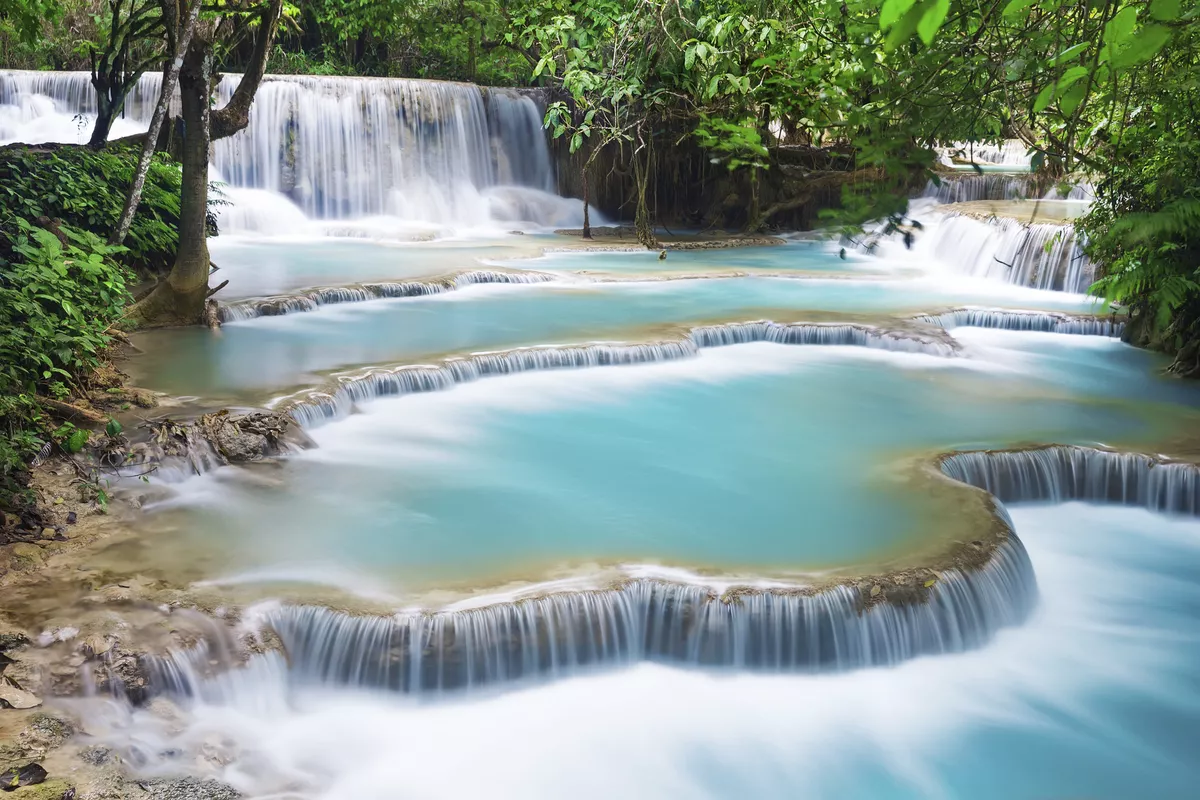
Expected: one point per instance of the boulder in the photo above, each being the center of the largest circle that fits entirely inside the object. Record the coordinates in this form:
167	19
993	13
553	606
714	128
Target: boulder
16	777
12	696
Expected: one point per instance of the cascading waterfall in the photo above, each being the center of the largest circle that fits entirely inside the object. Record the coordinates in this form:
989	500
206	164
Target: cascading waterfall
965	188
318	407
1060	473
1044	321
1038	255
560	634
643	620
341	148
1012	152
330	295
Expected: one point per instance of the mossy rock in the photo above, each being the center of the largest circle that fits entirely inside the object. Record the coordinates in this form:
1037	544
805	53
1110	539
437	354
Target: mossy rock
25	556
50	790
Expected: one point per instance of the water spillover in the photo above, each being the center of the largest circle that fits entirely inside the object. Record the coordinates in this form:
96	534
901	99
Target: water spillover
770	522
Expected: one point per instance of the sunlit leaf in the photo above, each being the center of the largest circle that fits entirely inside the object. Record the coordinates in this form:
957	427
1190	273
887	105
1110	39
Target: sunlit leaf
892	11
932	20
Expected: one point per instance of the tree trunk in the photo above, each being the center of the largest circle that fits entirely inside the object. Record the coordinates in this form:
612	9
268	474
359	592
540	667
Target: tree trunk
754	219
181	41
179	300
641	215
587	220
106	112
236	114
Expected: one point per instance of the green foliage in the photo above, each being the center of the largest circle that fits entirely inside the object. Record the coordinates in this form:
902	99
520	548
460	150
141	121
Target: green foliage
85	189
60	291
58	298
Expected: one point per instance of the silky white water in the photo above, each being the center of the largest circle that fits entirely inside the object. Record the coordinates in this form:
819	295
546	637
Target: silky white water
1096	696
387	158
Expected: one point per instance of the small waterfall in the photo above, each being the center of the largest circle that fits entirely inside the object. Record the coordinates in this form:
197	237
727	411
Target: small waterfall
318	407
1047	322
1039	255
992	186
1060	473
313	299
1012	152
562	634
429	152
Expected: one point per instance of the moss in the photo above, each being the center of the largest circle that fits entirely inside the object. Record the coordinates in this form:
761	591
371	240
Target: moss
50	790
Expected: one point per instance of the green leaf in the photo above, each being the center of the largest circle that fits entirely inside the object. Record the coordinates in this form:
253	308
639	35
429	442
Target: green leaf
1068	54
1120	27
1164	10
892	11
1144	46
1071	98
1014	8
76	440
932	20
1043	99
113	428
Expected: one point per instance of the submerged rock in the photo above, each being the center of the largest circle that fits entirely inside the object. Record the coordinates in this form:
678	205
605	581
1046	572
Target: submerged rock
188	789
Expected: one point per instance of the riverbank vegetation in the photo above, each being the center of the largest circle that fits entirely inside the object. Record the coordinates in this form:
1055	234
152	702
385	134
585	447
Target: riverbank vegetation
755	114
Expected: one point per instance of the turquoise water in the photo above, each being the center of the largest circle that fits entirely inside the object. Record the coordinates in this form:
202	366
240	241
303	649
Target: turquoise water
257	267
278	352
761	457
801	257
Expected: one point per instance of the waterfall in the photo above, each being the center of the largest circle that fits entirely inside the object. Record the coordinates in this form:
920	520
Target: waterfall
341	148
315	408
560	634
1060	473
323	296
992	186
1012	152
1038	255
1047	322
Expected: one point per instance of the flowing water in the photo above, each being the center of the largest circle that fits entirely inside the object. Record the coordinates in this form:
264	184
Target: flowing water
773	521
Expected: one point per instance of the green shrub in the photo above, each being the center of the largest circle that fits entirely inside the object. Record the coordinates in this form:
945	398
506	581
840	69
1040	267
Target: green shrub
60	291
86	188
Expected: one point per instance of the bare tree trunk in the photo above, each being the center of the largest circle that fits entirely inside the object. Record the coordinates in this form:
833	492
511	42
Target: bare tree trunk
587	220
641	215
170	78
179	300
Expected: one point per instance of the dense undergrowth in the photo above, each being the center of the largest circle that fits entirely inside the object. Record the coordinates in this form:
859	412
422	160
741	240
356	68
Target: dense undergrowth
63	288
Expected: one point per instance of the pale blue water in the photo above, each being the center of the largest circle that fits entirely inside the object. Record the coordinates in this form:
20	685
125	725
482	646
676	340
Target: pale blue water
274	352
753	457
799	256
256	267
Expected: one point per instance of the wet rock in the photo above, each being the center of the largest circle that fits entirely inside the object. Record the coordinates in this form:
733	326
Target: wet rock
239	446
95	645
13	696
28	775
11	640
24	556
188	789
96	755
45	732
